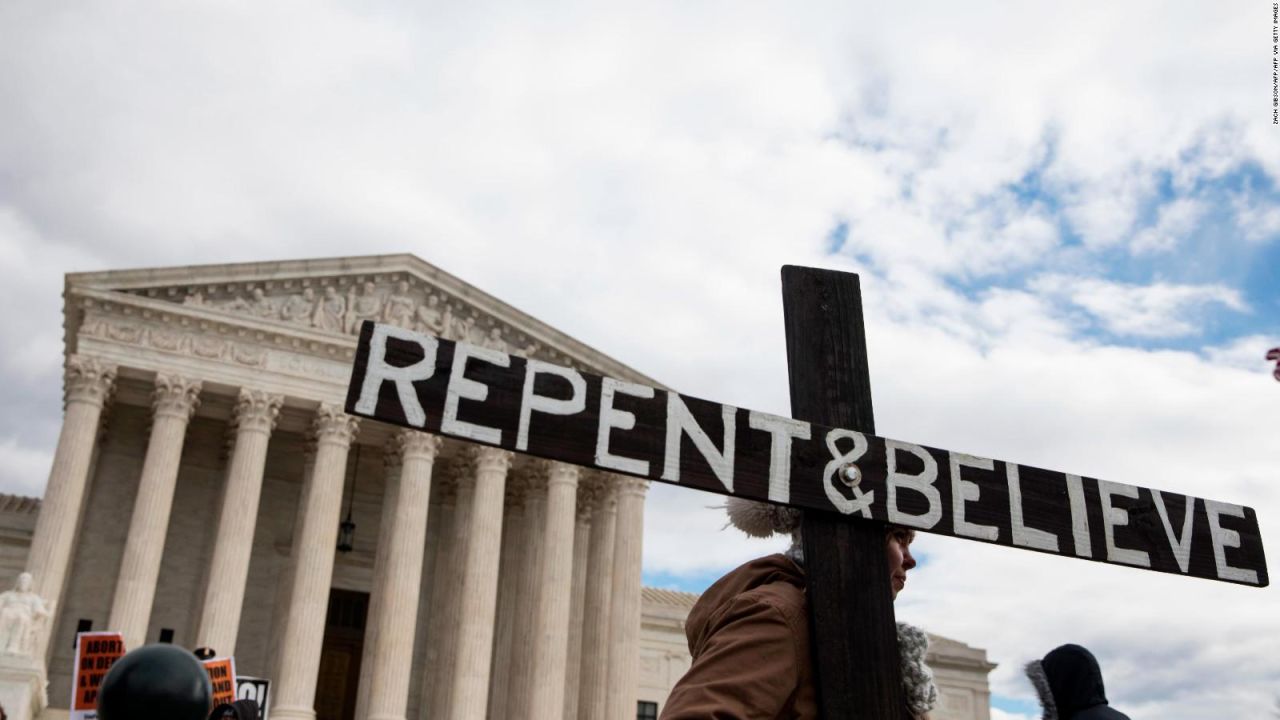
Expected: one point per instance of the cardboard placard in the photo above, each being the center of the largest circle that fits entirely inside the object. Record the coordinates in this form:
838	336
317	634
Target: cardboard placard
95	653
255	689
222	676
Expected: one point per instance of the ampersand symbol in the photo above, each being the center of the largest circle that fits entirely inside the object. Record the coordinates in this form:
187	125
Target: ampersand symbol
861	502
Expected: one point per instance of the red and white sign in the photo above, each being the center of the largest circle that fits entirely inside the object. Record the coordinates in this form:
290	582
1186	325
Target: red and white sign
95	653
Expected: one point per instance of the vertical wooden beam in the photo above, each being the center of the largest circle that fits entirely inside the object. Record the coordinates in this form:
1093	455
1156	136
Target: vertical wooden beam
850	598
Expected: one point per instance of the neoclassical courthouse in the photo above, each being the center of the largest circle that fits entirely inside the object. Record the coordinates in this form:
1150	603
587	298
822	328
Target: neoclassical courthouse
208	490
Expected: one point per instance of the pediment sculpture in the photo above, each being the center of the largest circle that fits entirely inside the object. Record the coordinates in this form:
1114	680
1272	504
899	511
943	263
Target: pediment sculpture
329	308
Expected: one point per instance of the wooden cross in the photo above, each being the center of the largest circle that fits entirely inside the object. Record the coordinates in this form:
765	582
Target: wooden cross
826	460
856	667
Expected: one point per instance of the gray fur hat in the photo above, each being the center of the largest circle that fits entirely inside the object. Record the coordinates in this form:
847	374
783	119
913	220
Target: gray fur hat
761	520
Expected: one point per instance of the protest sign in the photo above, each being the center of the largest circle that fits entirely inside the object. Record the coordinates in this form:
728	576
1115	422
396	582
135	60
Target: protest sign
222	676
95	653
255	689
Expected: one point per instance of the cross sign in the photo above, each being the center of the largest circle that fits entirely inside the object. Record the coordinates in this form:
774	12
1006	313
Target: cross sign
826	460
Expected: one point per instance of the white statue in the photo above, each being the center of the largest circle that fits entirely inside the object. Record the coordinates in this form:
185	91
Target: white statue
22	612
494	341
367	306
330	311
398	309
430	318
299	308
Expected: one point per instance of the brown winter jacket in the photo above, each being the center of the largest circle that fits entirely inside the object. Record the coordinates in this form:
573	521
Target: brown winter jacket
749	637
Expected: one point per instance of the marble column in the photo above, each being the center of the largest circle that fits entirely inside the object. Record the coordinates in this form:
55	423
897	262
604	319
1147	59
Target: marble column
437	681
480	583
513	558
402	582
315	540
256	413
577	597
594	673
528	571
624	621
87	385
555	591
390	491
174	402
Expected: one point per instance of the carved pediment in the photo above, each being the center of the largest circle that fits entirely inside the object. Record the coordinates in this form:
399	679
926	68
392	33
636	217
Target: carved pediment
333	297
340	304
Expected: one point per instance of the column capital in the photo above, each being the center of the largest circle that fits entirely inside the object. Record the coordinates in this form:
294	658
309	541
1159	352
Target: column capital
488	459
536	478
589	494
550	472
445	488
516	489
391	459
333	425
416	444
88	380
257	410
175	396
603	489
633	486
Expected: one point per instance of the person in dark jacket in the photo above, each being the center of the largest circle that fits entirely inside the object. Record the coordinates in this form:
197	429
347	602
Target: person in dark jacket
238	710
1069	683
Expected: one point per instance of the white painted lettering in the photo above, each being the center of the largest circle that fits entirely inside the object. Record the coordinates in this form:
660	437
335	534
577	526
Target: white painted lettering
461	387
378	372
963	491
1114	517
611	418
922	483
1079	517
1224	538
681	421
861	502
782	431
529	402
1023	535
1181	547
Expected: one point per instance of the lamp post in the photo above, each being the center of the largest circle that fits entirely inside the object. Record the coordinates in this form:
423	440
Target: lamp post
347	528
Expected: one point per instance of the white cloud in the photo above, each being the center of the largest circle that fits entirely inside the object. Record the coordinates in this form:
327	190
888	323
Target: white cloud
1159	310
23	470
1257	219
1247	353
1174	221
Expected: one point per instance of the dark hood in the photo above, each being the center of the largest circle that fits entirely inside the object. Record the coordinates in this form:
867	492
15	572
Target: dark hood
1073	678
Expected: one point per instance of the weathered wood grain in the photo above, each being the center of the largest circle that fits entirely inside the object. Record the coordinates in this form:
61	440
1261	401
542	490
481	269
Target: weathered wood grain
850	598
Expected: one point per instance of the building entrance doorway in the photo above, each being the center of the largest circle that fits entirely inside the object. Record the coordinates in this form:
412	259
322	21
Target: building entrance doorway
339	676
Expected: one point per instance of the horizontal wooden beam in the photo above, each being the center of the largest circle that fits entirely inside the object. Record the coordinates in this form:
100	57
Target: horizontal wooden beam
492	397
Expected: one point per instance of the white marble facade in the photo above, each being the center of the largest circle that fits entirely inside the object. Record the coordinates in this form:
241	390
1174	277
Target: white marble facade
205	464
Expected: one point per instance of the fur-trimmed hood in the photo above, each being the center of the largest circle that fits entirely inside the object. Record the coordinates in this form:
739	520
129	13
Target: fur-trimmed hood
1069	683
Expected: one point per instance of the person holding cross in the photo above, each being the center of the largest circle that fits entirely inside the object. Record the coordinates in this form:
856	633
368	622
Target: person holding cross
749	633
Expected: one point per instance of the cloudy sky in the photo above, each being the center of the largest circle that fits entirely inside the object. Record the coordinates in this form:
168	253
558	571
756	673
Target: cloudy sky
1066	217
